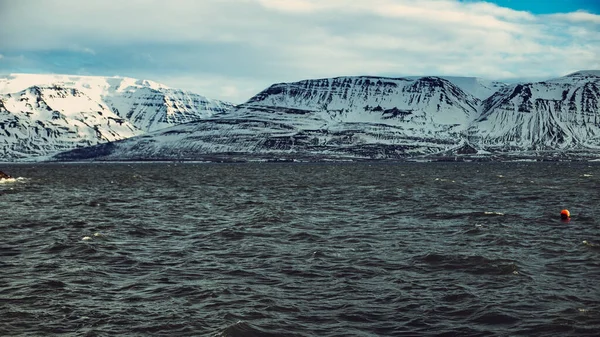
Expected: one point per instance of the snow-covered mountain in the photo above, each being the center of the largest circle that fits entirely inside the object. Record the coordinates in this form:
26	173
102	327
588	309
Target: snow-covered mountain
478	87
44	114
358	118
560	113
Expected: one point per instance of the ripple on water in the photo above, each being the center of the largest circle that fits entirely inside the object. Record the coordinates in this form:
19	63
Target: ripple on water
300	250
244	329
473	264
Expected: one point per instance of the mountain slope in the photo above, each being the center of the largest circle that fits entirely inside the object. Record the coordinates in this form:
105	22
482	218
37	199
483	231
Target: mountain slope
42	114
337	118
356	118
555	114
431	100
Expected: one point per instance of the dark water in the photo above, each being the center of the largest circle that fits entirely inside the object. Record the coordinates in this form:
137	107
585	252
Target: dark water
452	249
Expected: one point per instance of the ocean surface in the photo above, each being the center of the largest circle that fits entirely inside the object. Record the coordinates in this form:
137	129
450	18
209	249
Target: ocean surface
284	249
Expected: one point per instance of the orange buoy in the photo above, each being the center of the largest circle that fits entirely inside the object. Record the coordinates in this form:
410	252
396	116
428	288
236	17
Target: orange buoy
565	214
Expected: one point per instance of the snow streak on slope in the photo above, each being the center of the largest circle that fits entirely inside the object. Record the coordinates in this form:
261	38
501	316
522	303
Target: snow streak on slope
41	114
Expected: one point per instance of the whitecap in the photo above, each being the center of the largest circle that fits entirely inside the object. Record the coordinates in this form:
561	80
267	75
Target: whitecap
99	235
7	180
11	180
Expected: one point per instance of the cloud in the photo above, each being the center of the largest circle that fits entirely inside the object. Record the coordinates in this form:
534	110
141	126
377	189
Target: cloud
79	49
211	44
292	6
576	17
232	89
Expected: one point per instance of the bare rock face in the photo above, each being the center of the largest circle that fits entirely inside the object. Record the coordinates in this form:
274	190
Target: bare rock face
4	175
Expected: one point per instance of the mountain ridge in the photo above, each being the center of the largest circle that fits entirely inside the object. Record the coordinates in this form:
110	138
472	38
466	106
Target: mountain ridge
371	117
47	113
339	118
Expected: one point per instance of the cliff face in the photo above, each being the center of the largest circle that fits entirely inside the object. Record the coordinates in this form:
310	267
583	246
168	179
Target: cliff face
426	101
555	114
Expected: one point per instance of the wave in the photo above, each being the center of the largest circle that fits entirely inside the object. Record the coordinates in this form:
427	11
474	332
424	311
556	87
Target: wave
410	257
463	215
12	180
244	329
593	246
472	264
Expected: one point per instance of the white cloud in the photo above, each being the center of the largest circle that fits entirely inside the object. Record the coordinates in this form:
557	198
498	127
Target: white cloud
231	89
80	49
576	17
292	6
267	41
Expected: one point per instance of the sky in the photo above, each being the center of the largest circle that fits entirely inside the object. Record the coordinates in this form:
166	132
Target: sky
233	49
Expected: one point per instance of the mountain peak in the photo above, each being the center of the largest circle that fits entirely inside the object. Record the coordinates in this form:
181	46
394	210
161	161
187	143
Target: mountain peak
19	81
585	73
42	113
